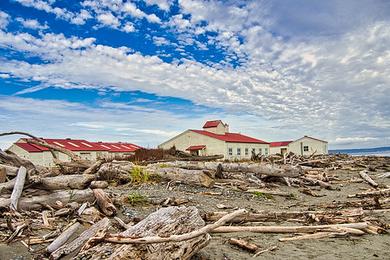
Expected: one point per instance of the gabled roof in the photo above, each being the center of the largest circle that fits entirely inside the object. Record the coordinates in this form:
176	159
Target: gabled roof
79	145
311	138
118	147
231	137
196	147
281	143
213	123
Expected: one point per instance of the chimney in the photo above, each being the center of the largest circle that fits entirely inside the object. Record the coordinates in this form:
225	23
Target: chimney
226	128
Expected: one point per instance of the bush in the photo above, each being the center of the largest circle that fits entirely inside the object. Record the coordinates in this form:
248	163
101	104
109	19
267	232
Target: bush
136	198
138	175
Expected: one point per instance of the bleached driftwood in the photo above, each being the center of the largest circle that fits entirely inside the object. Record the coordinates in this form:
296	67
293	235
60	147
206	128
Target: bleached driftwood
290	229
38	202
193	177
74	245
265	216
63	237
383	192
104	202
9	170
3	174
244	244
76	181
18	187
367	178
6	187
166	222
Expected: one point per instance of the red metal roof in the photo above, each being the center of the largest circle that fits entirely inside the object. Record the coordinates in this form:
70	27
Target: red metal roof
281	143
80	145
231	137
118	147
213	123
196	147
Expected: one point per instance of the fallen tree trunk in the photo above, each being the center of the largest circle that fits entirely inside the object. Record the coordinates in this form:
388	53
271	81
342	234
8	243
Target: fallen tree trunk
194	177
367	178
9	170
14	160
76	181
72	246
6	187
38	202
104	202
166	222
244	244
18	188
383	192
284	215
290	229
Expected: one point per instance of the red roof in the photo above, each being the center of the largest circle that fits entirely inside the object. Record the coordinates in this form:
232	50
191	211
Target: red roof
195	147
231	137
213	123
118	147
282	143
79	145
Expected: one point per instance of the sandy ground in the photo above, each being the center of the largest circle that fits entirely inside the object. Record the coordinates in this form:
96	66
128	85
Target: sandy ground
365	247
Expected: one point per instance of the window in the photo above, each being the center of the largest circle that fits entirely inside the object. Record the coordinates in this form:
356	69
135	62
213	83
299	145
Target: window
238	151
253	150
246	151
306	148
266	151
230	151
260	151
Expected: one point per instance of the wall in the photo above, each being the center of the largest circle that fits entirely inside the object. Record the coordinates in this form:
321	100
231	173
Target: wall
189	138
265	149
277	149
314	146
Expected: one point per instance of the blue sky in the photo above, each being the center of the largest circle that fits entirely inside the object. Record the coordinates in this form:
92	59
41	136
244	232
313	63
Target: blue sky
145	70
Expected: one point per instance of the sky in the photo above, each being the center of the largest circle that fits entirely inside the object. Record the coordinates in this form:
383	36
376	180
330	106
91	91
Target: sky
143	71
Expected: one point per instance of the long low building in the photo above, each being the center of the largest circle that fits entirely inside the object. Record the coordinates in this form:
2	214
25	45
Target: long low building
215	139
40	155
303	146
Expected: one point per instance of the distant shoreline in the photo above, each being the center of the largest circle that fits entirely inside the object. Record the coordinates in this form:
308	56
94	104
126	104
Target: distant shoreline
378	151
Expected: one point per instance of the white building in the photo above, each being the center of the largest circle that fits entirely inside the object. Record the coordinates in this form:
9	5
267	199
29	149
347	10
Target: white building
215	139
303	146
40	155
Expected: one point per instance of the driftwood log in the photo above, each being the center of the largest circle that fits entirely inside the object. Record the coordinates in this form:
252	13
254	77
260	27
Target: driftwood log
18	188
62	182
203	178
104	202
163	223
63	237
74	245
39	202
367	178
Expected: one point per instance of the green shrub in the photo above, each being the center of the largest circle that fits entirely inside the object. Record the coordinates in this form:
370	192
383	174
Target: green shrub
139	175
259	194
136	198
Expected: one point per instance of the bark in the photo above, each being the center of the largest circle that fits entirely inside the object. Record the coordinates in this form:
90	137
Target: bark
18	188
76	181
63	237
10	170
7	186
14	160
104	202
74	245
98	185
193	177
38	202
163	223
290	229
3	174
367	178
114	171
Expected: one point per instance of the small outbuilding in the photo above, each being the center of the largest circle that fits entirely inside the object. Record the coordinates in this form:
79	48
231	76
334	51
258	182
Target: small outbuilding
303	146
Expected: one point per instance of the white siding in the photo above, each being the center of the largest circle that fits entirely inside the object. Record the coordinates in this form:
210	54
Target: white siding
242	146
313	145
277	149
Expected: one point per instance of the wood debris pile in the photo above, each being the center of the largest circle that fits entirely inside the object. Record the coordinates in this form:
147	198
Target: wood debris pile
70	209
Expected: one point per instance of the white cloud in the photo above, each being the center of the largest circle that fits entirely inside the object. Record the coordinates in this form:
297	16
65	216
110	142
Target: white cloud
108	19
162	4
4	19
4	76
32	24
159	41
129	27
